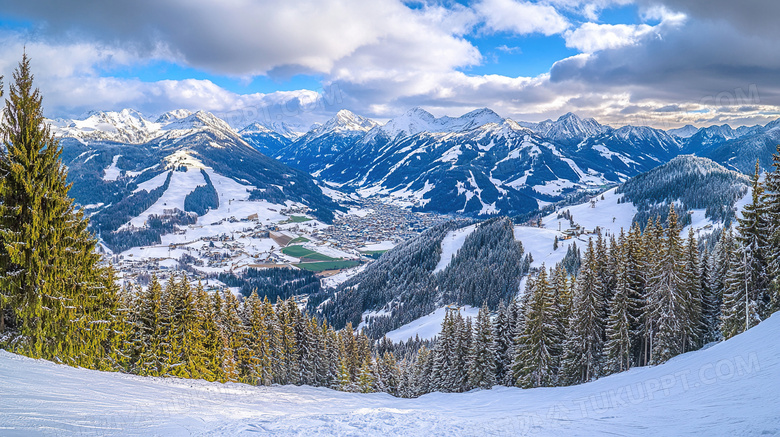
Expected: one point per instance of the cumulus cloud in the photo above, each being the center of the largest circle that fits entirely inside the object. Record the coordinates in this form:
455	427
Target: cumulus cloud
243	37
521	17
752	17
378	58
592	37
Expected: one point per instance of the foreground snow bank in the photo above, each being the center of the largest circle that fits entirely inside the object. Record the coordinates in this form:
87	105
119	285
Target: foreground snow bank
728	389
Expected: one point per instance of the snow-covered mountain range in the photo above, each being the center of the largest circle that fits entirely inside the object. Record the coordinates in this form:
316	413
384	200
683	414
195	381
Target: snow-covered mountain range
483	164
139	179
478	164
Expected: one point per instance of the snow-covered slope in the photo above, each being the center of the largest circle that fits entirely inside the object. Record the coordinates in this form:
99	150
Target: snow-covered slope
450	244
319	146
728	389
428	327
181	185
479	164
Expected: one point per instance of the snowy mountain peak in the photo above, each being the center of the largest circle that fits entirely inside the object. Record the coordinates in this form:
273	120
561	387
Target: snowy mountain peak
569	128
470	120
417	120
127	125
255	128
345	120
412	122
198	120
724	131
686	131
174	115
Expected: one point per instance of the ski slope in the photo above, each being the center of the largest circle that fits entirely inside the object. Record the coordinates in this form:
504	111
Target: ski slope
427	327
450	244
728	389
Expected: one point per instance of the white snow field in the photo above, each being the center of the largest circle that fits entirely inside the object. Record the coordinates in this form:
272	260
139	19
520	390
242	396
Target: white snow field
427	327
729	389
450	244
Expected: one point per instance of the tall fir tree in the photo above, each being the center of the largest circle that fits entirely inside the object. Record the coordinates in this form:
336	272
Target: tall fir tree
482	357
582	354
667	296
752	234
710	302
693	292
536	363
772	231
502	334
739	311
623	307
50	275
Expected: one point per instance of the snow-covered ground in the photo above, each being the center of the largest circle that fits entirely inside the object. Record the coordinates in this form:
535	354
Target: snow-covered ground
341	277
729	389
607	214
450	244
429	326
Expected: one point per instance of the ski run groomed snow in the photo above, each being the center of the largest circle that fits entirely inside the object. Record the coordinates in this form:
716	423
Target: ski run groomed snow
728	389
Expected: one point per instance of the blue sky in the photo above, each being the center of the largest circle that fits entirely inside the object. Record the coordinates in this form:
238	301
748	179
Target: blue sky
620	61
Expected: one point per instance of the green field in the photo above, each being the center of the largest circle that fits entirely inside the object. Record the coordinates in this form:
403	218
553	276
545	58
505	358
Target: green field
332	265
302	252
299	240
297	219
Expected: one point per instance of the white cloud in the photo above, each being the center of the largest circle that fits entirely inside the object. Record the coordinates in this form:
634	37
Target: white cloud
382	58
592	37
521	17
248	38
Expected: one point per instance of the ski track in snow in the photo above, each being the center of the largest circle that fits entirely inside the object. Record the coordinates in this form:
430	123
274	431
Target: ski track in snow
728	389
450	244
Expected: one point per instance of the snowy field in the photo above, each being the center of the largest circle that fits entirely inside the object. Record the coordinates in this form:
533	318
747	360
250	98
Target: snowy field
730	389
450	244
427	327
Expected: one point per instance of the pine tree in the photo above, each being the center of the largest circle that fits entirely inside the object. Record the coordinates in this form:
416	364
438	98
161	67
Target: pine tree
147	337
622	323
231	329
482	366
752	235
582	357
667	297
635	265
739	312
535	364
210	358
274	372
502	334
692	285
290	370
443	354
258	352
562	290
365	381
710	302
772	230
49	270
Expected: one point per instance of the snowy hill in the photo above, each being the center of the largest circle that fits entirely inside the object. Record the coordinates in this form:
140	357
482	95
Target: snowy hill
187	180
434	265
727	389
